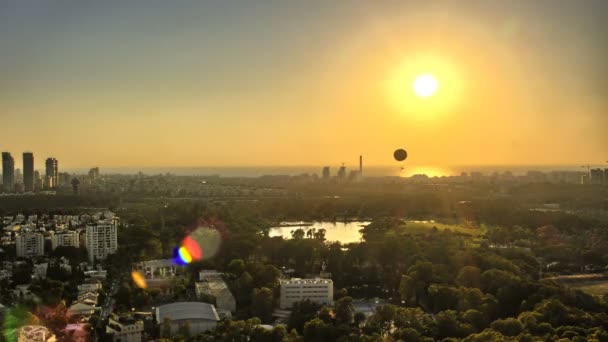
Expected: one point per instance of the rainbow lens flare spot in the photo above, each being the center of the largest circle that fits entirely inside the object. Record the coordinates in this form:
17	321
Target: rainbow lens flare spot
184	255
193	248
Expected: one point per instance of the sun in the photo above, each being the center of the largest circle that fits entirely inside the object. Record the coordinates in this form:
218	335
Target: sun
425	85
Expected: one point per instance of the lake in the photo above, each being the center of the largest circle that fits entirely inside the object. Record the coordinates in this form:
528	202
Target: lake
345	232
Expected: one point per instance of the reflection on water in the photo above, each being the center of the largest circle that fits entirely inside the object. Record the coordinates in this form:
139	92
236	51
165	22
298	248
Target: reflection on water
345	232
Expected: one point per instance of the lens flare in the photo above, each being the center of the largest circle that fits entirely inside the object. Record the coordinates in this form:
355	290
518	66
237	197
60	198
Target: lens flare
139	280
14	319
184	255
202	243
193	248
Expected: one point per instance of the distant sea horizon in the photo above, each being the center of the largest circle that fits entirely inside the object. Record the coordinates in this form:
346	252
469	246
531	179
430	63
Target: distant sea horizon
404	170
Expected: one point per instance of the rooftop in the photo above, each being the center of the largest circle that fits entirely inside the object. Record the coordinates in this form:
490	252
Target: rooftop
185	311
306	281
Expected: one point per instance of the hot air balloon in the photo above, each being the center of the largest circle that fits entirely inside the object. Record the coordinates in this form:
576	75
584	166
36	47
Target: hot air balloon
400	154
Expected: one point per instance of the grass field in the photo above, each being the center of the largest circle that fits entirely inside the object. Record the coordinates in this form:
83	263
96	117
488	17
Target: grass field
425	225
594	283
598	288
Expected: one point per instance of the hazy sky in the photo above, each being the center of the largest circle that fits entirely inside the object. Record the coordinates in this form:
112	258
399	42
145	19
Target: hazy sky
194	83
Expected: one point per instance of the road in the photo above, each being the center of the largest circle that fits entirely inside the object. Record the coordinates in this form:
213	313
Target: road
108	306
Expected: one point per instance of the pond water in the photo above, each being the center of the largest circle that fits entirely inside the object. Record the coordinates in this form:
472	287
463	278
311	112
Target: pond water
344	232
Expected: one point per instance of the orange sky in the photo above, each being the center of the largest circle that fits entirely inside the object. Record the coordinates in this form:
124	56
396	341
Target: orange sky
280	83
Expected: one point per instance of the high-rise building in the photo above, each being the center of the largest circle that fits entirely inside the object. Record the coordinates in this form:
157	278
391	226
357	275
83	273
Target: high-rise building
64	179
28	171
67	238
94	174
8	171
596	176
101	239
342	172
38	182
326	173
29	245
18	176
52	173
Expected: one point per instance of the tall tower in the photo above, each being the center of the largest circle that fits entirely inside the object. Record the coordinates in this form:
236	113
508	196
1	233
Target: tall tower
360	166
52	174
28	171
8	171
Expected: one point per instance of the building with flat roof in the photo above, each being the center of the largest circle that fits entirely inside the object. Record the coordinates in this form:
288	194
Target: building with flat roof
83	310
67	238
29	245
91	285
157	269
8	172
596	176
101	239
317	290
201	317
216	289
52	173
124	328
28	171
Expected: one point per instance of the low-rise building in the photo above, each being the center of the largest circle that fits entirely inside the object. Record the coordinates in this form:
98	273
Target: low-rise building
157	269
90	298
159	273
317	290
124	328
218	291
200	317
209	274
84	311
91	285
96	274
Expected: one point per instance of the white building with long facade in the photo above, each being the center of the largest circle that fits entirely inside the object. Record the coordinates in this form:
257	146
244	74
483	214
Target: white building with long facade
317	290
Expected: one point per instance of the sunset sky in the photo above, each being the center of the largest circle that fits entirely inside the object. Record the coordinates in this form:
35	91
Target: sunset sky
193	83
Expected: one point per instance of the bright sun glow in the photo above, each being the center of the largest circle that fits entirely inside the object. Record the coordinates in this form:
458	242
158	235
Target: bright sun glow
425	85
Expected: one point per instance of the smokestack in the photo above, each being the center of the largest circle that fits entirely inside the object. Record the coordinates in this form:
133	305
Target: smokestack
360	166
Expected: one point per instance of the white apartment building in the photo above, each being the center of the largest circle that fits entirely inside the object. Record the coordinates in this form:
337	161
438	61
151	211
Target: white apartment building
29	245
68	238
101	239
316	290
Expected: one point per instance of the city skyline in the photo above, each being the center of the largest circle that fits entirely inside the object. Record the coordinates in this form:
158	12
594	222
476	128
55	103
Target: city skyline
240	85
303	171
